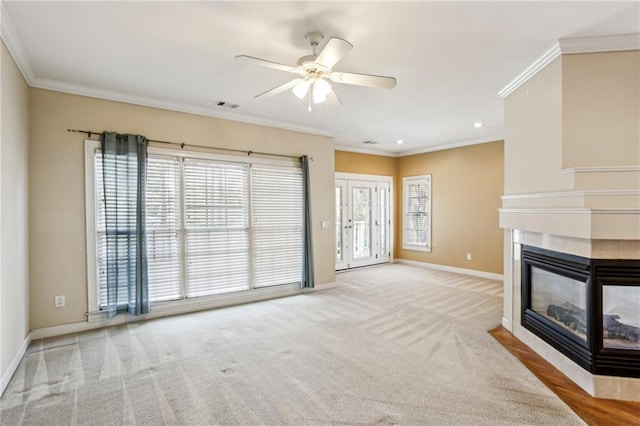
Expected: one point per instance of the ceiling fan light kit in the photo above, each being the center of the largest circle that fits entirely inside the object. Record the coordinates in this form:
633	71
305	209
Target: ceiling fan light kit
317	69
320	91
301	89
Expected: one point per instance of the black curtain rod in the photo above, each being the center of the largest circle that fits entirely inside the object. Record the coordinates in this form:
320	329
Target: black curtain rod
182	145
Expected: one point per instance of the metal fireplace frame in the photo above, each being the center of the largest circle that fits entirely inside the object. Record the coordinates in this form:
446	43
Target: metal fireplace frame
595	273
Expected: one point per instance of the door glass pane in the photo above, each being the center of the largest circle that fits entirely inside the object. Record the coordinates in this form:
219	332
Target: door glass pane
361	222
338	223
384	218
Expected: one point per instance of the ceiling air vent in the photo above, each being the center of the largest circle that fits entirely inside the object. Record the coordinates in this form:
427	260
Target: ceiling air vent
370	142
227	105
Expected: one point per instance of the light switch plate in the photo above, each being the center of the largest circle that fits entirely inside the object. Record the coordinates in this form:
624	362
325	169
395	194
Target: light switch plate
326	224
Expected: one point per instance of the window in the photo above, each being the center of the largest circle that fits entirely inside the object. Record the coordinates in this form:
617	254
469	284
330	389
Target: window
214	224
216	227
417	213
277	225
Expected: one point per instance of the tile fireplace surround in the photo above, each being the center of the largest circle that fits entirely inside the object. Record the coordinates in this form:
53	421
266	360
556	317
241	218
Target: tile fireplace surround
598	386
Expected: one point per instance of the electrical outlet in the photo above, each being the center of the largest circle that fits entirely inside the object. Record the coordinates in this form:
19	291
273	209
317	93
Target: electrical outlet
59	301
468	256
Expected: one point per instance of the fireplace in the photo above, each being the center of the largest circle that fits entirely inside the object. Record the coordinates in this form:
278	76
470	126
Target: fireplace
571	212
588	309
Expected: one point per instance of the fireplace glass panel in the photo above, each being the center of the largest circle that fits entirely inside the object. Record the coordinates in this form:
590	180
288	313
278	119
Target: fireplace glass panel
560	299
621	317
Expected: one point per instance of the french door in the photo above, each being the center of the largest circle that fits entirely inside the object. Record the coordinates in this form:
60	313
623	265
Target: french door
363	221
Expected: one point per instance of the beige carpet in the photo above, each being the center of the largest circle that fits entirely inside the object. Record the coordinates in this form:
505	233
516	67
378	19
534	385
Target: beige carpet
393	344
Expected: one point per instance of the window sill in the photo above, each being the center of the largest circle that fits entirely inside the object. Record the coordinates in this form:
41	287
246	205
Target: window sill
160	309
417	248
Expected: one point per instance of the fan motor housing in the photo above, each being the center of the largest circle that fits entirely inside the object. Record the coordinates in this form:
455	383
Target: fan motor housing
308	63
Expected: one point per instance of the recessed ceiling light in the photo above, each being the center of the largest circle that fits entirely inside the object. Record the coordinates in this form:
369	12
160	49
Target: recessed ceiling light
478	124
400	141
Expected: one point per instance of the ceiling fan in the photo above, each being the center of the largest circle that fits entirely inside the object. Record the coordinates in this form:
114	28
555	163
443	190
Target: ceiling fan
316	70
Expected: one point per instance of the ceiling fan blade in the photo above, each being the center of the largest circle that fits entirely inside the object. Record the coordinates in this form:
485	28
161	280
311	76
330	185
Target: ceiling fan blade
335	50
375	81
283	88
265	63
333	100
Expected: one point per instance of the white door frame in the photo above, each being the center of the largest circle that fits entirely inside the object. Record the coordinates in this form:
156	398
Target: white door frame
381	183
342	233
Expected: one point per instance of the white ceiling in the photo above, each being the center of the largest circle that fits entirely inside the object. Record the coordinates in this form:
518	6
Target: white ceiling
450	58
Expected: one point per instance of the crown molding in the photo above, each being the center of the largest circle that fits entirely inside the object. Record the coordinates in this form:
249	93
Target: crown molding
570	46
459	144
75	89
442	147
538	64
15	46
613	43
582	193
366	151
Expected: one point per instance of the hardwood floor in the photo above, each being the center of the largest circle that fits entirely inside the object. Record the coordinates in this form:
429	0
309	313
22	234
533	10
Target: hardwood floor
594	411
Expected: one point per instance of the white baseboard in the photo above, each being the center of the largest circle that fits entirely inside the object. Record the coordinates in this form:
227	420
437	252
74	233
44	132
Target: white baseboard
472	272
194	305
74	327
320	287
506	323
13	366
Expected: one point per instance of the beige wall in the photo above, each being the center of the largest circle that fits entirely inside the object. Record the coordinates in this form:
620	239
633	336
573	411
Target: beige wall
57	214
581	110
574	128
533	129
14	273
466	185
367	164
601	109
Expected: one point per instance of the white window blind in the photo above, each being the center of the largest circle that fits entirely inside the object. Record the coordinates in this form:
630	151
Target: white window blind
163	230
276	195
216	227
213	226
417	206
